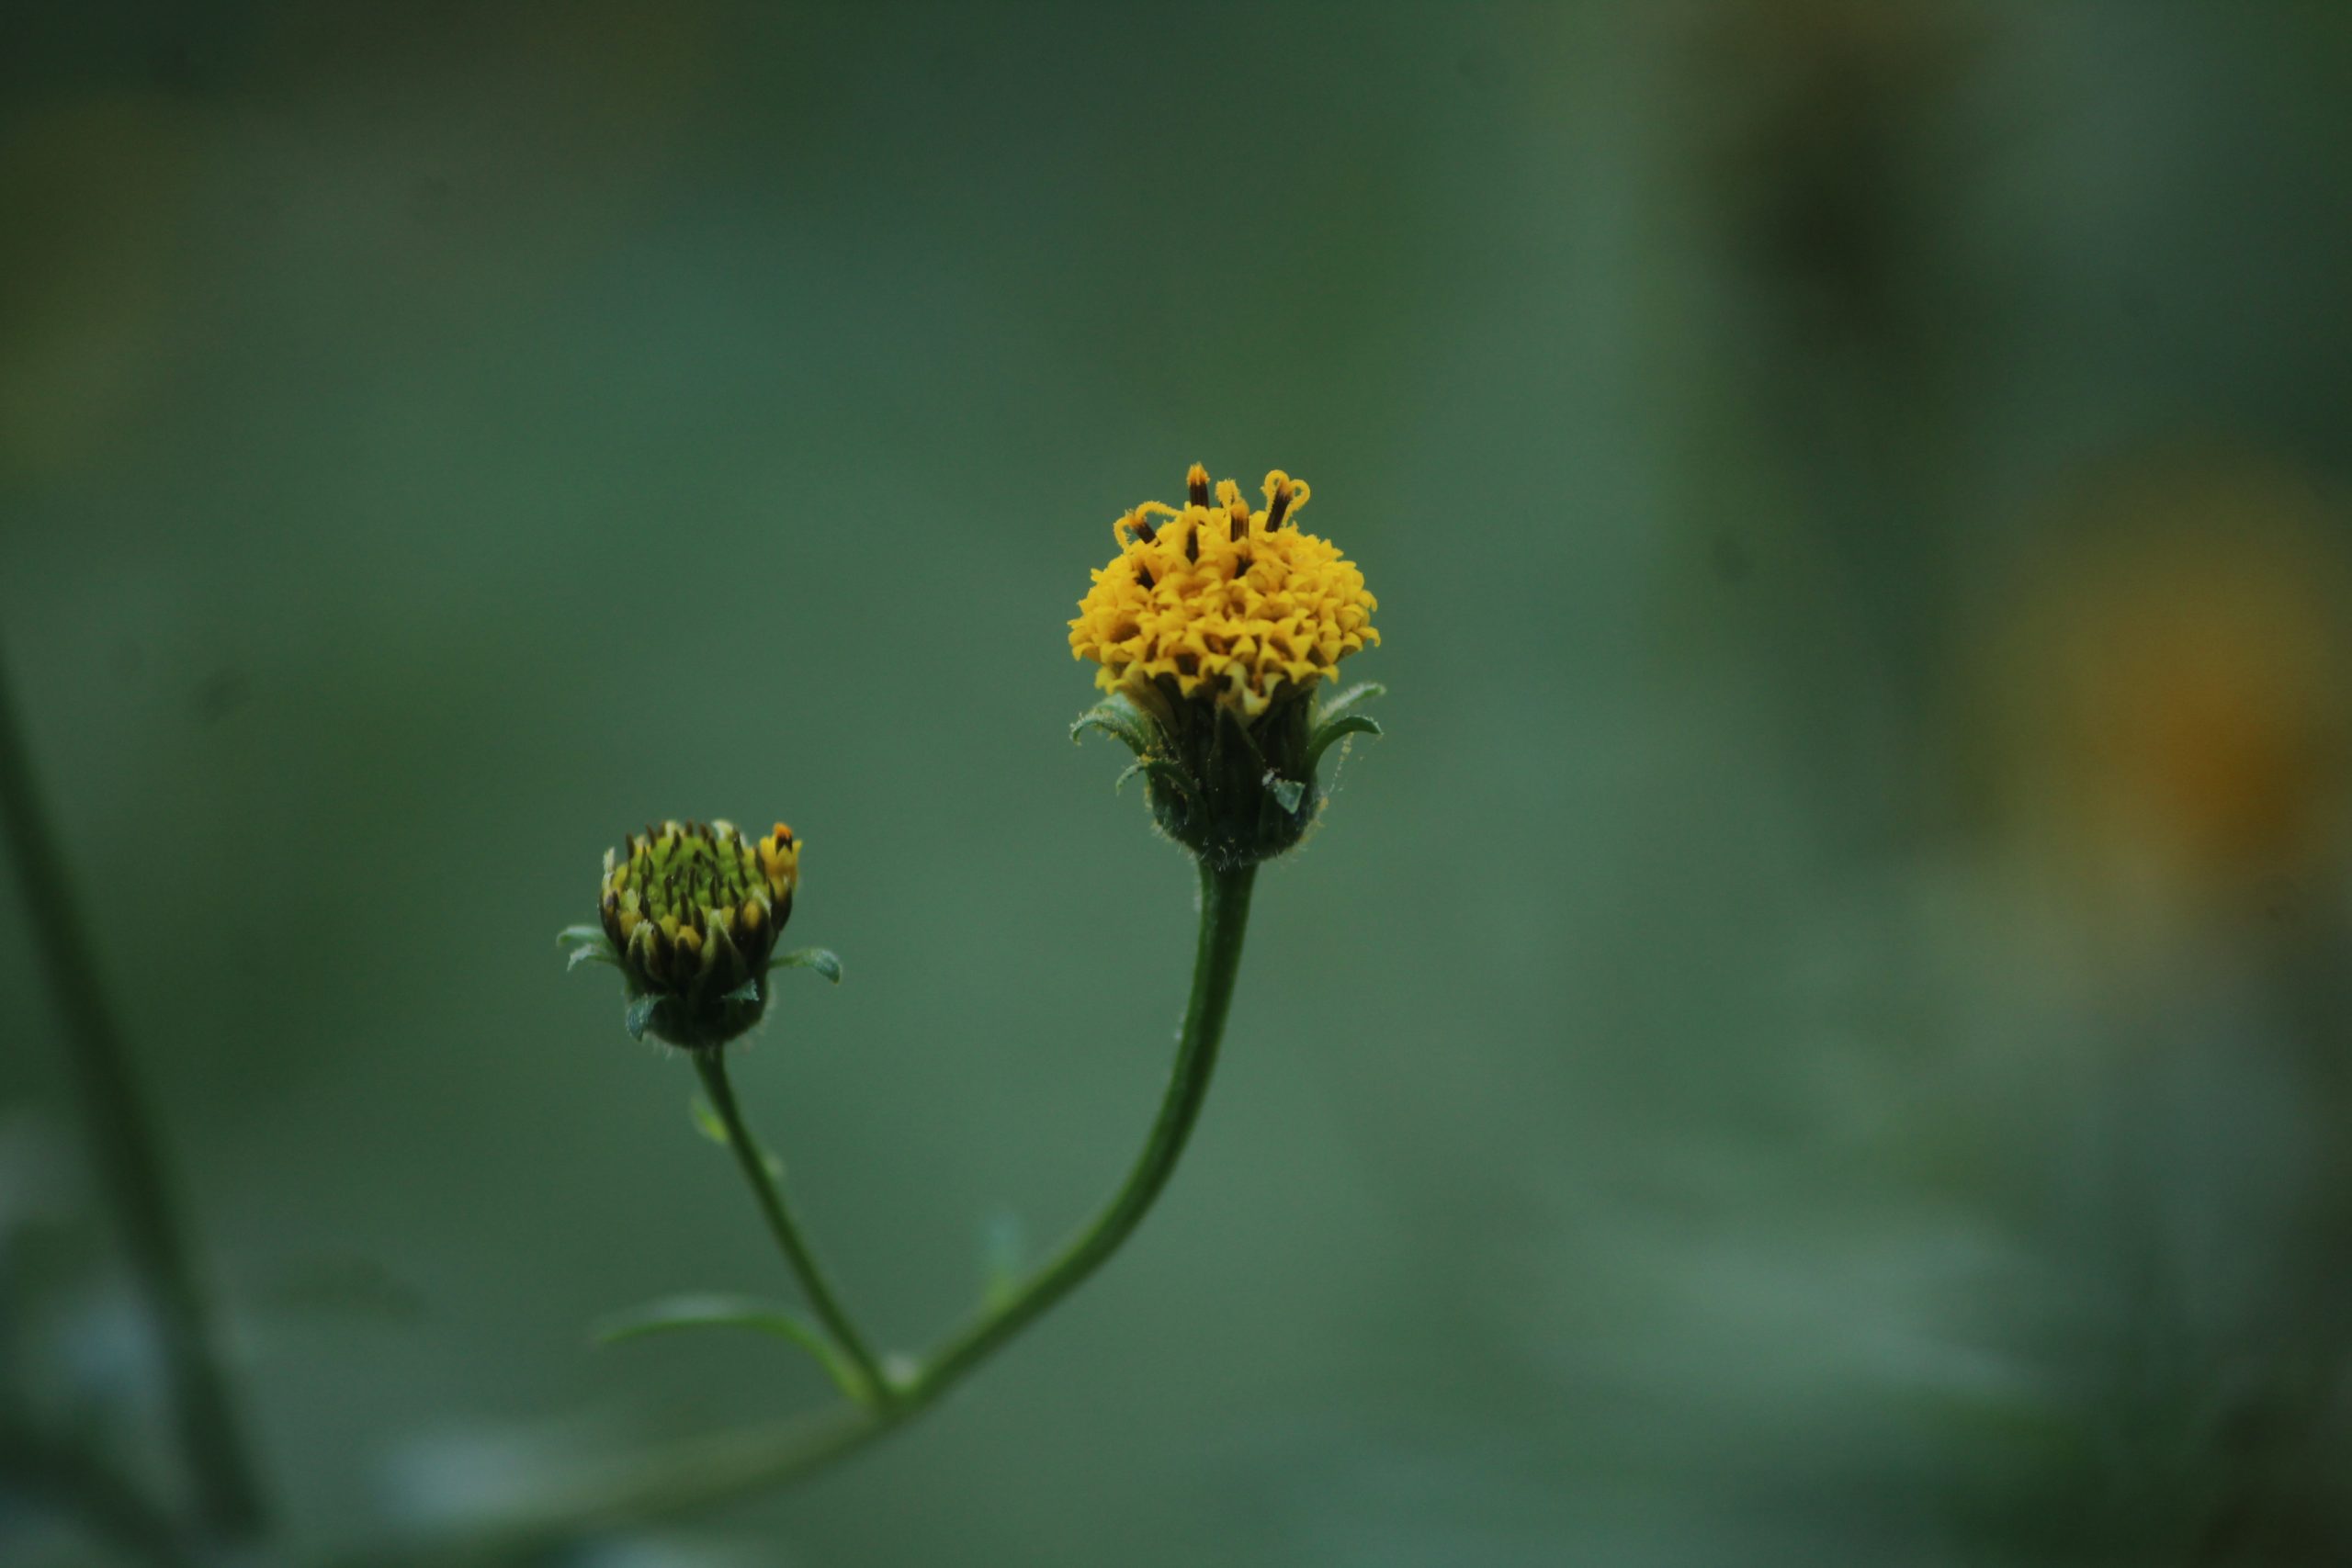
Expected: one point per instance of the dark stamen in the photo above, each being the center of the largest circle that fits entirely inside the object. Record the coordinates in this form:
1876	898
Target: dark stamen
1276	507
1145	531
1193	545
1197	486
1143	576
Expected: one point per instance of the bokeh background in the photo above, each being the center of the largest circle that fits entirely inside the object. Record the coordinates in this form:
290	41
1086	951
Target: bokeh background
1820	1035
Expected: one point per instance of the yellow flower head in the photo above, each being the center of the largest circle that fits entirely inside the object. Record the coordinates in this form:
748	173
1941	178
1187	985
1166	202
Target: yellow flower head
1219	600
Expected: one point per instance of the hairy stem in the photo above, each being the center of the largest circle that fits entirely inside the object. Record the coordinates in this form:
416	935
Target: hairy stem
769	1190
124	1148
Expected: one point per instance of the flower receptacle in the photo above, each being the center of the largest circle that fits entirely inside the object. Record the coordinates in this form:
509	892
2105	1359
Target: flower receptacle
1232	791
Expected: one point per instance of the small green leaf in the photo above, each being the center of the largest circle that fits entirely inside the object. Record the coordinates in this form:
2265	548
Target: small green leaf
748	991
706	1120
708	1123
1001	1246
823	960
1160	768
1117	716
673	1314
1347	702
578	933
640	1016
1288	792
1335	730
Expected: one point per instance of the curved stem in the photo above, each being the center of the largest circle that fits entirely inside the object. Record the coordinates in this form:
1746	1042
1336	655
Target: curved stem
1224	920
713	1471
1217	964
712	1066
124	1146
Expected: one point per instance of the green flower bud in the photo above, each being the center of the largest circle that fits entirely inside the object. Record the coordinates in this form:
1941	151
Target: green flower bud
692	913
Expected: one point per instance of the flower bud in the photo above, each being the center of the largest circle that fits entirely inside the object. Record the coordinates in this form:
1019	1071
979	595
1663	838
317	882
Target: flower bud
1217	626
693	911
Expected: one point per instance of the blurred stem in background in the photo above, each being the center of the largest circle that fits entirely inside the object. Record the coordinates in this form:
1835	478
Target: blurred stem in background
709	1472
124	1148
63	1479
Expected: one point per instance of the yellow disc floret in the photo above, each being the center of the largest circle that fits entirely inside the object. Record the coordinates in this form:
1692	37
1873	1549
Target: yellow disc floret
1215	599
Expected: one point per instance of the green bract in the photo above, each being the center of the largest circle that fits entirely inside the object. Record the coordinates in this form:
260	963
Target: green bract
1235	790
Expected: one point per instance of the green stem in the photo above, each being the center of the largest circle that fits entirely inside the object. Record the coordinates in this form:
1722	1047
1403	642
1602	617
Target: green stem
717	1470
1224	920
1216	962
124	1147
712	1066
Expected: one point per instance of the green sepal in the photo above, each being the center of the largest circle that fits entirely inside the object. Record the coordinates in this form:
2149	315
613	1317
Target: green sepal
1229	723
640	1016
1117	716
691	1022
823	960
1170	774
1288	793
1347	702
1334	730
673	1314
591	942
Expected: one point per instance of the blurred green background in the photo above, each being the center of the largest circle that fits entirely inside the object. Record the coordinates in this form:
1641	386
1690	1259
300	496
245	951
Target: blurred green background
1820	1035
